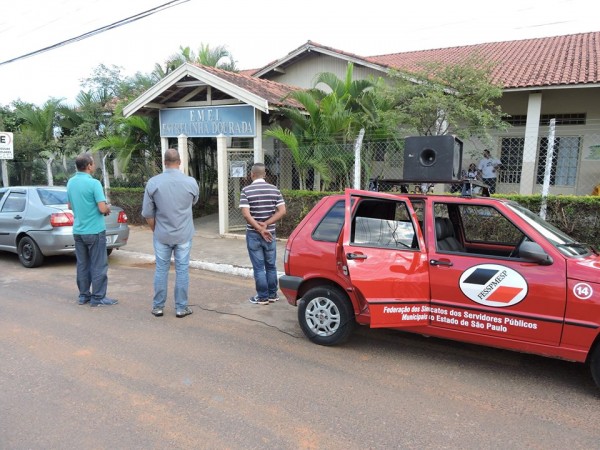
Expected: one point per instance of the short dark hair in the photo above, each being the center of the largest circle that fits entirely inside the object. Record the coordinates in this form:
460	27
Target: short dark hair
172	156
82	161
259	169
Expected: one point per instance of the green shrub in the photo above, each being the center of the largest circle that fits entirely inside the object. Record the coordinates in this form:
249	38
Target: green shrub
578	216
131	199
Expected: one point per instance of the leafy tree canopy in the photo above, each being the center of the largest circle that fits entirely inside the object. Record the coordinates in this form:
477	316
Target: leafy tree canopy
439	99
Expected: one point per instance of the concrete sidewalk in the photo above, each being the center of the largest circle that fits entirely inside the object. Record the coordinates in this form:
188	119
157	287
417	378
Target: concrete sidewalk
210	251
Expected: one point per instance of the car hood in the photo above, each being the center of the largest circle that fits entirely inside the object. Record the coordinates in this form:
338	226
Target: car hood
584	269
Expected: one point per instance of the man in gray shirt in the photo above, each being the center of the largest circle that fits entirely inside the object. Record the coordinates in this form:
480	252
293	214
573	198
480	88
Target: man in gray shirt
167	207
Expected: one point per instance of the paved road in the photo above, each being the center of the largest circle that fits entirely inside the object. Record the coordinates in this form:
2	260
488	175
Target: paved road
240	376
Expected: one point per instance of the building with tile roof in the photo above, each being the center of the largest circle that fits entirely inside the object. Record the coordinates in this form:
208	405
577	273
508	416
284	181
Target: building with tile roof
548	78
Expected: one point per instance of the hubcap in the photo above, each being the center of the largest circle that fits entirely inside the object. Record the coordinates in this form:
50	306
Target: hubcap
322	316
27	251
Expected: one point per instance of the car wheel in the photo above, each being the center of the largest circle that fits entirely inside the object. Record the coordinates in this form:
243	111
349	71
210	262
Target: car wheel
595	365
326	315
108	251
30	254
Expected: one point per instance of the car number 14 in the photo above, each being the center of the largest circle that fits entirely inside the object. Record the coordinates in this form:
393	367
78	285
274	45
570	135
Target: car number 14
582	291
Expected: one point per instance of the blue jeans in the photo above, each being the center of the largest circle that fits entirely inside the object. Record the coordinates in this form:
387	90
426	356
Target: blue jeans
263	256
92	266
163	253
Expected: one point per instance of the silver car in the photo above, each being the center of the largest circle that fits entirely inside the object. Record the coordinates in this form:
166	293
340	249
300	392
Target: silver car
35	222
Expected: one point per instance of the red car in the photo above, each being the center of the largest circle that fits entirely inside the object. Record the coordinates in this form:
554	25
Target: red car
475	269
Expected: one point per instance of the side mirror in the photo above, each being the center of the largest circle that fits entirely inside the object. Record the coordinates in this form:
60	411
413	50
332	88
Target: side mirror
532	251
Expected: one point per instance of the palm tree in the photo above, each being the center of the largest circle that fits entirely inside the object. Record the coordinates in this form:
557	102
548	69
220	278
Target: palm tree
134	135
218	57
327	121
44	123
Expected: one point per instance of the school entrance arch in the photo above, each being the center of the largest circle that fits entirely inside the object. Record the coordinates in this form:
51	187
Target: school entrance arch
198	106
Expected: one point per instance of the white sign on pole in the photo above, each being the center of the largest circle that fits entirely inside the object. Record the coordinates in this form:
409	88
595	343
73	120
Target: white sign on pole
6	145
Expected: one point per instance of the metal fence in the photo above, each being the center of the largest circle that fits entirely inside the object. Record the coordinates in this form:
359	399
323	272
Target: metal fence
571	161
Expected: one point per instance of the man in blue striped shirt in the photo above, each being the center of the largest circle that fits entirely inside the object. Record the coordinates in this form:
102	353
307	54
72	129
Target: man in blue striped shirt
262	206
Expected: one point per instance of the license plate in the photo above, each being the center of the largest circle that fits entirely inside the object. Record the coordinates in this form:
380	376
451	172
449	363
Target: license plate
110	239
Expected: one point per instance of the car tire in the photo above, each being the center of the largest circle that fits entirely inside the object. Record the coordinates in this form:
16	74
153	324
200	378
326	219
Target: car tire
109	251
326	316
29	253
595	365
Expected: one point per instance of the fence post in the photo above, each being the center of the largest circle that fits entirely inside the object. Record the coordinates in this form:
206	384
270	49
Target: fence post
106	178
548	168
4	173
357	163
222	180
182	148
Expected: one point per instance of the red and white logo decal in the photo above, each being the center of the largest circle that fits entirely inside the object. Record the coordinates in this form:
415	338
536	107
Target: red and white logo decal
493	285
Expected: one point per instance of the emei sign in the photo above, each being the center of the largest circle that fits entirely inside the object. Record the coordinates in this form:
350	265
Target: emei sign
6	145
231	121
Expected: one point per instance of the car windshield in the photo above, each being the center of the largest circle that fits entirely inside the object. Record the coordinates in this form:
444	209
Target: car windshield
562	241
50	196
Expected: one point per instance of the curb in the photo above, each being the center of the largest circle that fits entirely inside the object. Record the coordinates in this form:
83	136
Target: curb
229	269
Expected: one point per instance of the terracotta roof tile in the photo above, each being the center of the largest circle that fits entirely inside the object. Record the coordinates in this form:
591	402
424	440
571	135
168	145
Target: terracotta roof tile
551	61
275	93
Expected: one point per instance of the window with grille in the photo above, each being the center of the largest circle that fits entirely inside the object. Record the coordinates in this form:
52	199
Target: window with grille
517	120
561	119
565	157
242	142
511	157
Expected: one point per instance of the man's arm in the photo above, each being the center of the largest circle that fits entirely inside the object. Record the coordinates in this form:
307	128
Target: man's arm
151	222
279	213
104	208
149	209
260	227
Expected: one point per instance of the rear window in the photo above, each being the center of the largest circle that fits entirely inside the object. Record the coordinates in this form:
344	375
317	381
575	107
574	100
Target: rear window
330	227
53	196
15	202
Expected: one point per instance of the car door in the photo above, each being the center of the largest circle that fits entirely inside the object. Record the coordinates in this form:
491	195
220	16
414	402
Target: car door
385	258
484	287
12	215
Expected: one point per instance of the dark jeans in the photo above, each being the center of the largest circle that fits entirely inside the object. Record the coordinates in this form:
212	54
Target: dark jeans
92	266
263	256
491	183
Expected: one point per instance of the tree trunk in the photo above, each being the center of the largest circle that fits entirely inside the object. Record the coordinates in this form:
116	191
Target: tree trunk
49	173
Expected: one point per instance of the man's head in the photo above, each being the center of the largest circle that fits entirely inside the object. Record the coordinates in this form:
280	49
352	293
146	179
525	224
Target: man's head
172	158
486	153
84	162
258	171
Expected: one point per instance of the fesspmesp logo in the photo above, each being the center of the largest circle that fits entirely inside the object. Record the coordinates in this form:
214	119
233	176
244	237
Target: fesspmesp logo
493	285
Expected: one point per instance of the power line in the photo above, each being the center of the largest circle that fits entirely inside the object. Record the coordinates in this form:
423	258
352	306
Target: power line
83	36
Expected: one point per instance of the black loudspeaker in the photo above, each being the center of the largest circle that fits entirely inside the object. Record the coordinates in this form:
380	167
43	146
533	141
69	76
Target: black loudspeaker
432	158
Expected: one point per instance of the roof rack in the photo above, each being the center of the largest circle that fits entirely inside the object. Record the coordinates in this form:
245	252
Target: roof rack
466	185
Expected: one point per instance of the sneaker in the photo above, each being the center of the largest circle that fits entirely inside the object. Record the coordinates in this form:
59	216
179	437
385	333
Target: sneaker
183	312
258	301
83	301
274	298
104	302
157	312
